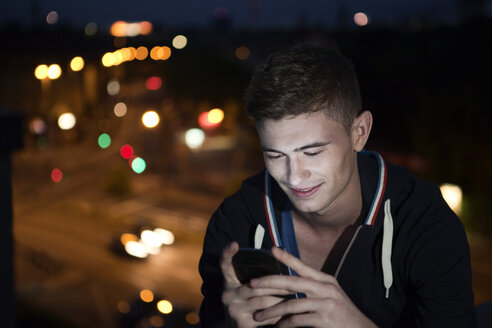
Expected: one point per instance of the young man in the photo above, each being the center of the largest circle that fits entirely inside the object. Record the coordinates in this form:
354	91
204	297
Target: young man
366	243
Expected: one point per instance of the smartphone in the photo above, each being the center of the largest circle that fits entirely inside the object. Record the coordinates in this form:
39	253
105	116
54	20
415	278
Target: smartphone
252	263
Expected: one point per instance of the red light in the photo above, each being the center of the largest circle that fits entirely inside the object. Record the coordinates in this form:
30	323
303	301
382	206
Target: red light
204	122
153	83
126	151
56	175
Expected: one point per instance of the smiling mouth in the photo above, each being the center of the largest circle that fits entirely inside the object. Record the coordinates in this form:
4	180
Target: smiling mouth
307	192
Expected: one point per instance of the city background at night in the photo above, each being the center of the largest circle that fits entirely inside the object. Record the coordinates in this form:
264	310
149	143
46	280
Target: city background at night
123	129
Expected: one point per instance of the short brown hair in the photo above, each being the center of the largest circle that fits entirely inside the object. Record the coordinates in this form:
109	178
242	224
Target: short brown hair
305	78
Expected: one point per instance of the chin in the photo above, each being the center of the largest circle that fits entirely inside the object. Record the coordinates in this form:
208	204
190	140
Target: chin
305	205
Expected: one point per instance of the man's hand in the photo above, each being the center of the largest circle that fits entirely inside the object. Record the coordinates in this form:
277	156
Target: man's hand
242	301
326	304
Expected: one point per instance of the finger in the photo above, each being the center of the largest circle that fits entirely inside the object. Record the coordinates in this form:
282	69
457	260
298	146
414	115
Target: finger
295	284
300	267
299	320
226	265
245	292
287	308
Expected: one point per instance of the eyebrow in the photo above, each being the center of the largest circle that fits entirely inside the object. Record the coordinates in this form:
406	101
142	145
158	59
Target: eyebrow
312	145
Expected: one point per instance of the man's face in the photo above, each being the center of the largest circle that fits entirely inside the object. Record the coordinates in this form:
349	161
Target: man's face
311	157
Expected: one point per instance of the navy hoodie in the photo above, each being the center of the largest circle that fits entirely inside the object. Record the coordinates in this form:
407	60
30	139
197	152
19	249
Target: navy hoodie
426	279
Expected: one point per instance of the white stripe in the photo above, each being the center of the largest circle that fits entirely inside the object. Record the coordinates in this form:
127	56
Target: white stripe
379	190
271	220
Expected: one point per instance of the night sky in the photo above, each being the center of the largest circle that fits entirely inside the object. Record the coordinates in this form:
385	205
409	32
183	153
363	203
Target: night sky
279	13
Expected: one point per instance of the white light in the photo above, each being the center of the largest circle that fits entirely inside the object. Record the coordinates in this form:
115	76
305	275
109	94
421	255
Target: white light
113	87
453	195
166	236
194	138
150	119
136	249
150	238
180	41
66	121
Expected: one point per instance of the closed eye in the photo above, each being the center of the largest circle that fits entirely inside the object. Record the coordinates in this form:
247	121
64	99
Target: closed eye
312	153
273	155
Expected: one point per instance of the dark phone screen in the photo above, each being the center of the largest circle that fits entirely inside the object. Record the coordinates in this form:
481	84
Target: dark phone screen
253	263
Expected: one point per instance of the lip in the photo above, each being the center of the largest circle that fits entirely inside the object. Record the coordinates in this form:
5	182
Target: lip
305	192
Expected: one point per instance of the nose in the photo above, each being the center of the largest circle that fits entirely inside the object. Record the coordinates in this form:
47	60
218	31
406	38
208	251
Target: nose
297	173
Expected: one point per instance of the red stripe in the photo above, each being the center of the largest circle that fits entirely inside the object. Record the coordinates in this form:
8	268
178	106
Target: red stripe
380	198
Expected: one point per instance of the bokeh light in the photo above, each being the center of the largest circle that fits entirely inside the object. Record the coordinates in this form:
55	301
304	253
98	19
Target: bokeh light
54	71
56	175
166	53
118	28
123	307
180	41
145	27
41	72
164	306
194	138
120	109
361	19
77	64
166	236
156	321
104	140
126	151
211	118
134	248
155	52
453	195
153	83
127	237
37	126
108	59
138	165
123	29
242	53
215	116
146	295
151	238
52	17
142	53
113	87
192	318
66	121
150	119
90	29
203	120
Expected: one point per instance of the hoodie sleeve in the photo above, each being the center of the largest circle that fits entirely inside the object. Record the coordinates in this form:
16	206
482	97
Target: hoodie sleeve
440	271
229	223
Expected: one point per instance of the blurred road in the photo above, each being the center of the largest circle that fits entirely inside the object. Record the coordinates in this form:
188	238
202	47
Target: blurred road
65	267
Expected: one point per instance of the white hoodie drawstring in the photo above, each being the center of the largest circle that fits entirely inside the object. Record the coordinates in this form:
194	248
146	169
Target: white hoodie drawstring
259	234
387	247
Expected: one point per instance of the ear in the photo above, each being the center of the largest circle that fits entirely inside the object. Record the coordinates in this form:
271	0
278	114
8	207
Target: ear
361	128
